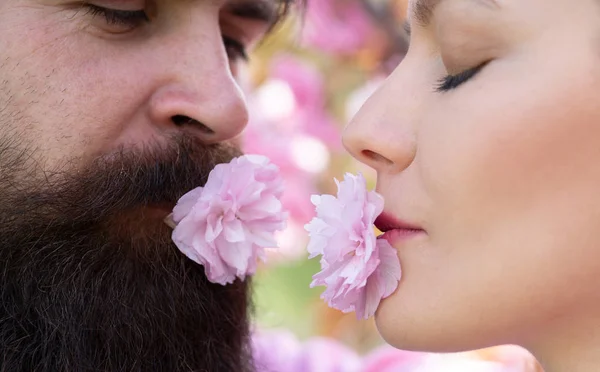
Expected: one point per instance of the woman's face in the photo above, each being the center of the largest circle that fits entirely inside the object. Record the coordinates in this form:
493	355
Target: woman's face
499	166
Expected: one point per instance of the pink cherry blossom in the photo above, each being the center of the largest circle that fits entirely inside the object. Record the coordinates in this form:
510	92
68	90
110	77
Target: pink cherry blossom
275	350
388	359
460	362
276	146
357	269
513	357
281	351
307	84
288	109
337	26
226	224
321	354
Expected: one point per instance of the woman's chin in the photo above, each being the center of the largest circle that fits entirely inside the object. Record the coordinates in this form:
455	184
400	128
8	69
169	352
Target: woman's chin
402	325
391	325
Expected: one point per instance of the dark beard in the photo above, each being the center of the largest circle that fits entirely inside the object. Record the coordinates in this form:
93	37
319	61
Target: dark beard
90	279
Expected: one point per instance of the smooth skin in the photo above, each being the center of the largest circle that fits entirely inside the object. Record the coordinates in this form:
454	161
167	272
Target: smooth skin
502	171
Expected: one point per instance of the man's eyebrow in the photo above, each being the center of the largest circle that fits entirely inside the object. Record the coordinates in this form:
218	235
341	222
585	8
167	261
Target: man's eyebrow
267	11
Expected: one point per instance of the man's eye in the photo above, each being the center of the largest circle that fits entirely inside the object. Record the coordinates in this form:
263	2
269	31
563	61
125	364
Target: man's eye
116	17
235	49
450	82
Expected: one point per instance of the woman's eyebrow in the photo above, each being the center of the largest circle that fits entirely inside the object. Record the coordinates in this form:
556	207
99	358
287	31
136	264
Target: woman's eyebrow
422	10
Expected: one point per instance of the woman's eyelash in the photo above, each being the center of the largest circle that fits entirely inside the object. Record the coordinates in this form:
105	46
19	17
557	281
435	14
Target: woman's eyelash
119	17
450	82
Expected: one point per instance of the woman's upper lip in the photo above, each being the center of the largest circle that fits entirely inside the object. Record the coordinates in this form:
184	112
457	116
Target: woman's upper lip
386	222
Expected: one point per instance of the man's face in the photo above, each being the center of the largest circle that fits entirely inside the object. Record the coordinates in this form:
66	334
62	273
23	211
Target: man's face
81	80
109	112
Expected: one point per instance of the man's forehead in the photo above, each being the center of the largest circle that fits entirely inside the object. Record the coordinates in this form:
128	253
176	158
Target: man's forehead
265	2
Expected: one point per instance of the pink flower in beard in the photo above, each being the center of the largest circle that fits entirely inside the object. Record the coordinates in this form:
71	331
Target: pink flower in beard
226	224
358	269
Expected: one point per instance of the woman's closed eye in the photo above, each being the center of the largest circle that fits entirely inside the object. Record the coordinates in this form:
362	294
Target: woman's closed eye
450	82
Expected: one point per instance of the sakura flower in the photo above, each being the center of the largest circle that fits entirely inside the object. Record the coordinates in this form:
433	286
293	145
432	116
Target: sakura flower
275	350
514	358
321	354
281	351
337	26
388	359
226	224
357	269
460	363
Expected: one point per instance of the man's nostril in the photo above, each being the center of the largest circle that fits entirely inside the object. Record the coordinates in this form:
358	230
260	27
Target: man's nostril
181	120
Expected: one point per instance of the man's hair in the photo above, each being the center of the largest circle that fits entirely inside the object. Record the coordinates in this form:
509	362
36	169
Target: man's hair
285	7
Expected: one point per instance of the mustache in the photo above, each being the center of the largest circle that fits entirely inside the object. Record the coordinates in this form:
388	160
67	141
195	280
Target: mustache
128	178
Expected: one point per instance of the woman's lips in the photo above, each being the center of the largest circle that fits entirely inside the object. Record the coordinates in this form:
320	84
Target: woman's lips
395	230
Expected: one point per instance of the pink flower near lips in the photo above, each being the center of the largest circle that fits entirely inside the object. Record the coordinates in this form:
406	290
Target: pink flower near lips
226	224
358	269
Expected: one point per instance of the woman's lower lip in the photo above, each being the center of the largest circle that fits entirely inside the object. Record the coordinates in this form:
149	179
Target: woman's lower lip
397	235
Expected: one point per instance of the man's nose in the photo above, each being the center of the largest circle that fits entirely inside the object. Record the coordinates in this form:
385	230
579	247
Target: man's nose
382	135
198	90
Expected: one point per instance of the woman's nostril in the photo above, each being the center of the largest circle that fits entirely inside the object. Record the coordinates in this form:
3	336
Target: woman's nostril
377	158
181	120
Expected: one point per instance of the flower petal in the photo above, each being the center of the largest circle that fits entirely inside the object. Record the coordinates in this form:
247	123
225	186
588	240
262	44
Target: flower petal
226	224
357	269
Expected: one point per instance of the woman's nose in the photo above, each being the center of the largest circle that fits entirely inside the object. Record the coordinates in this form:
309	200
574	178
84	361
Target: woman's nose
381	135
